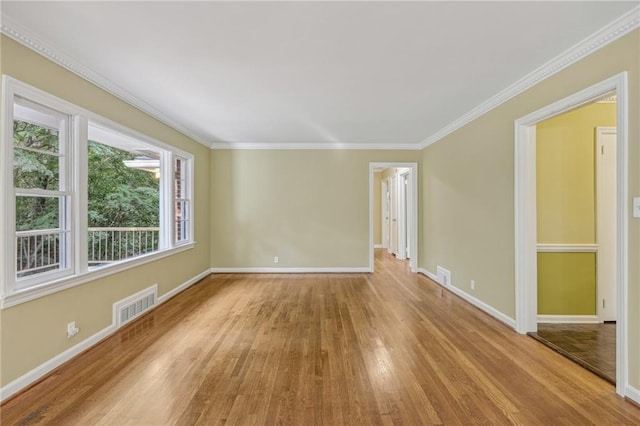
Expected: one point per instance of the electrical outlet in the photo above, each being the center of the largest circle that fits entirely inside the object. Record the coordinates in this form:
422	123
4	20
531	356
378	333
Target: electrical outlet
473	285
72	330
275	259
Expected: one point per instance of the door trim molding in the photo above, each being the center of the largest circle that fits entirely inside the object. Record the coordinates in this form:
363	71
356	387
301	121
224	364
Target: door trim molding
413	219
525	212
569	319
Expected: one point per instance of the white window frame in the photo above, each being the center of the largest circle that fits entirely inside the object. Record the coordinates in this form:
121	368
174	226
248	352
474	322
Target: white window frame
14	291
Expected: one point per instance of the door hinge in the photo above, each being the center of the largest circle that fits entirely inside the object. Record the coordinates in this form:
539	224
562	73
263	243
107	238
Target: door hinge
601	149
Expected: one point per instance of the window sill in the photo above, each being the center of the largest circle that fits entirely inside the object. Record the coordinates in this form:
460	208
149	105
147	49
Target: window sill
31	293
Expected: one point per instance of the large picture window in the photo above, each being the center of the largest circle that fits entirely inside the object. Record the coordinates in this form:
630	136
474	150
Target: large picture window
83	195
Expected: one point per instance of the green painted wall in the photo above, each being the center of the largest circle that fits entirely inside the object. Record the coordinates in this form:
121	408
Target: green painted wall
565	174
570	283
565	171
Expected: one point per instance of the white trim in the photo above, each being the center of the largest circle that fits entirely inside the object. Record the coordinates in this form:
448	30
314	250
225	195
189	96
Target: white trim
472	300
40	371
569	319
182	287
35	292
567	248
43	369
378	246
633	394
413	250
525	212
26	37
606	35
304	270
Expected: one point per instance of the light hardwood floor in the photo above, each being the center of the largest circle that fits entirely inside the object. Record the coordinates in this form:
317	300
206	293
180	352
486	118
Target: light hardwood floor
384	348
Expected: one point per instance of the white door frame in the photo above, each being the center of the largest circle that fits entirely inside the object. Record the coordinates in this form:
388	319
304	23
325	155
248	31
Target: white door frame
525	212
403	212
384	197
413	216
605	228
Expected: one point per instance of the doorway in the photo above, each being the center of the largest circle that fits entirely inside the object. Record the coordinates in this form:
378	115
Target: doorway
398	204
576	231
526	263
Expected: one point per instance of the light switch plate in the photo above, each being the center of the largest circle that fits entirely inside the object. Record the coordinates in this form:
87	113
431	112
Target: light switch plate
636	207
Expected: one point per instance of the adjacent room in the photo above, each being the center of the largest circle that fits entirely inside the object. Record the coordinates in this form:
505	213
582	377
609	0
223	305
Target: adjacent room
320	213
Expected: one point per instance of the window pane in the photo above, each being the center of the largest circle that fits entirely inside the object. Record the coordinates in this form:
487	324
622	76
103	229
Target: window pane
181	217
36	213
35	170
37	253
32	134
124	198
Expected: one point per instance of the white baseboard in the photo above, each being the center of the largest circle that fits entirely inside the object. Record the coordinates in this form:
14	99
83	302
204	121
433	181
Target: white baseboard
569	319
43	369
322	270
633	394
376	246
182	287
474	301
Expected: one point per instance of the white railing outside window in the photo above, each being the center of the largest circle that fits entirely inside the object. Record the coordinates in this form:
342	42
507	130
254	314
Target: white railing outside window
39	251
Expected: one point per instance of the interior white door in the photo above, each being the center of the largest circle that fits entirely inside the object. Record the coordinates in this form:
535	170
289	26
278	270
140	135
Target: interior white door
407	209
385	213
393	214
606	222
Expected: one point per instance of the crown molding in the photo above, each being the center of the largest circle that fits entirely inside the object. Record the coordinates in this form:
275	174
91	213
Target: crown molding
606	35
26	37
316	146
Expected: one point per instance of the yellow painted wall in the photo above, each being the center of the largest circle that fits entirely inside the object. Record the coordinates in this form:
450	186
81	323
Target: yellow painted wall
310	208
467	188
34	332
567	283
565	171
377	208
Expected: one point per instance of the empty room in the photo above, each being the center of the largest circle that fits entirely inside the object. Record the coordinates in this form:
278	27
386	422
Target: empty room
320	213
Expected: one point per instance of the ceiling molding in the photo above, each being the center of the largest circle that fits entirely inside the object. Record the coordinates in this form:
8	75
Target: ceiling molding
608	34
26	37
318	146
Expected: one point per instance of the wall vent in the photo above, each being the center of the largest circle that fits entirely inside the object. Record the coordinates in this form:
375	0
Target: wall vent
135	305
444	276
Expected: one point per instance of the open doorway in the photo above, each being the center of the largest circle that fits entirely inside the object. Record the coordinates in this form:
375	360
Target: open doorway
576	235
393	211
526	220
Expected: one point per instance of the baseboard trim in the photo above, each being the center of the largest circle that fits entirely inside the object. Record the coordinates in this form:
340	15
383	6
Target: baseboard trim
182	287
377	246
31	377
632	394
312	270
472	300
40	371
569	319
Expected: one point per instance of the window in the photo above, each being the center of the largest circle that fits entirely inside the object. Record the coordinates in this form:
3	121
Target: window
83	195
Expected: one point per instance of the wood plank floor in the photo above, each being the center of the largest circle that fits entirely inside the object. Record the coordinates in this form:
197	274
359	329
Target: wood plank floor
384	348
593	346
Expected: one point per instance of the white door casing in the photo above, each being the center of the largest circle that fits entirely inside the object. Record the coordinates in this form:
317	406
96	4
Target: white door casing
384	196
606	222
525	212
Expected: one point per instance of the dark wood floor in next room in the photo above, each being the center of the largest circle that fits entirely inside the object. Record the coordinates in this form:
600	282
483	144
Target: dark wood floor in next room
320	349
591	345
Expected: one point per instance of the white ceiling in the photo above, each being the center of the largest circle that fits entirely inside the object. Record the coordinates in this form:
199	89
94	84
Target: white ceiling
339	73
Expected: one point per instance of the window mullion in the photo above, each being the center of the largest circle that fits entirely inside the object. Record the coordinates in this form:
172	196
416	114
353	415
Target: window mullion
167	239
79	180
7	193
